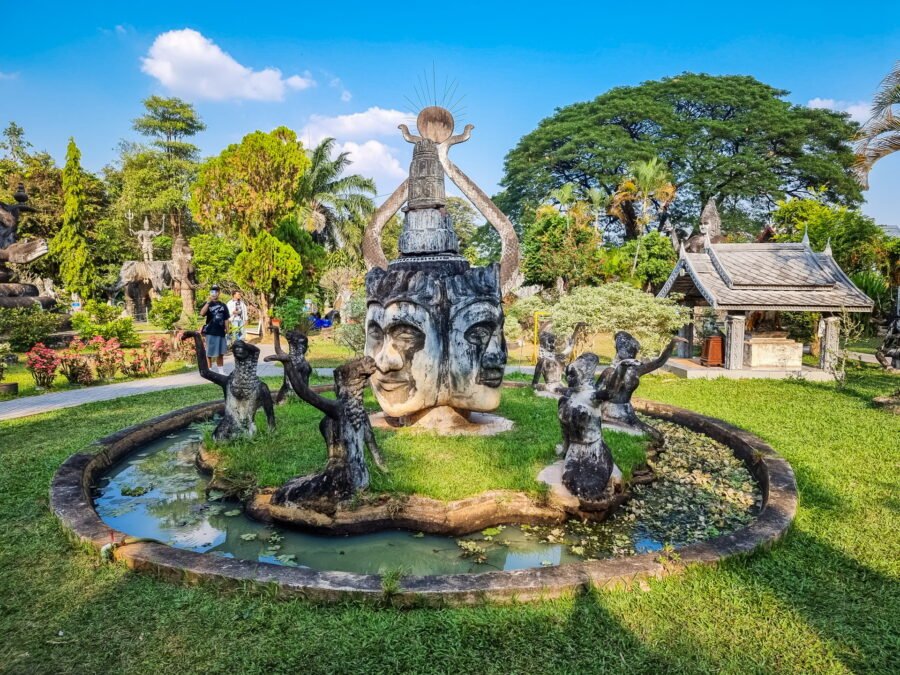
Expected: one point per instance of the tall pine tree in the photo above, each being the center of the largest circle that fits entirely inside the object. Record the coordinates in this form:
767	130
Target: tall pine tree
70	246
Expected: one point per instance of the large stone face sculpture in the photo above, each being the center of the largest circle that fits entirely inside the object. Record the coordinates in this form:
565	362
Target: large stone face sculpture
434	324
18	252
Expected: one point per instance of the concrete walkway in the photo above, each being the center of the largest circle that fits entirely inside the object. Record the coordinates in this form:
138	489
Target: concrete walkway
42	403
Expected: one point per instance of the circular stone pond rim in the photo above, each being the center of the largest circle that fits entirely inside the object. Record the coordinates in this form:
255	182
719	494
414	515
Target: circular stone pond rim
72	504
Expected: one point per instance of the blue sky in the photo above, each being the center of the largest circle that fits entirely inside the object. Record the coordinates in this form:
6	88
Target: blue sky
345	69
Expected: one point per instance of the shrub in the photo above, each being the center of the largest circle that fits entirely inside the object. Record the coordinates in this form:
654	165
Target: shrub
292	312
5	352
42	362
183	349
352	331
108	356
166	310
26	326
148	359
618	306
104	320
74	364
522	311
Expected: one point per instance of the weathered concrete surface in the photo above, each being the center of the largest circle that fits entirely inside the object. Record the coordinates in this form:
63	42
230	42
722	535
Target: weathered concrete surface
71	503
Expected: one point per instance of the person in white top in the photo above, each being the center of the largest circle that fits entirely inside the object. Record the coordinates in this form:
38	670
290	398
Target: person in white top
237	310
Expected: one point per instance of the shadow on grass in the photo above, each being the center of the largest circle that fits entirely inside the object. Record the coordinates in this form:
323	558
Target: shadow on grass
846	602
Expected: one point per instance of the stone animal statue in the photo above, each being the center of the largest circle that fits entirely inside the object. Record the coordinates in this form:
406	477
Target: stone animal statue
244	392
888	354
347	433
298	345
588	462
552	358
619	381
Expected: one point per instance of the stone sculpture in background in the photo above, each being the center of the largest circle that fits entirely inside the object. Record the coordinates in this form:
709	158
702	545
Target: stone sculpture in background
588	462
244	392
619	381
347	433
298	345
552	359
434	324
888	354
18	252
145	237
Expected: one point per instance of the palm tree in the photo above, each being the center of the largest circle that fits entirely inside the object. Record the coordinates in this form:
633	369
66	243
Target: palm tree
648	186
880	136
333	206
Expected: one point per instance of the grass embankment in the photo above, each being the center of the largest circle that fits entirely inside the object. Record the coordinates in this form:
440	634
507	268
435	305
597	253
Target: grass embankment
826	599
425	464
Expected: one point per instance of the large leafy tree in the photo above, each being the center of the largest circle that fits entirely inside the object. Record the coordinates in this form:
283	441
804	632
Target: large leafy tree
880	136
169	121
269	268
555	249
251	186
857	243
70	245
729	137
332	204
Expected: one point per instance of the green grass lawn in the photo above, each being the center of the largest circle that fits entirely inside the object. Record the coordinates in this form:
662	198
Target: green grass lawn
826	599
425	464
868	345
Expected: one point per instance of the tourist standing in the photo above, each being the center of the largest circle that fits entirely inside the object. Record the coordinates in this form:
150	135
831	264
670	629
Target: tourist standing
237	313
216	313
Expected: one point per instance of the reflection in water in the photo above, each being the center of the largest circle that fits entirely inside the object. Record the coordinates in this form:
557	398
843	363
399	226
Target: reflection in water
160	494
164	499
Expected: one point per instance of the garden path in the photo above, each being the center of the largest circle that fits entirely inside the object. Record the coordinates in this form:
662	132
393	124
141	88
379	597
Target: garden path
35	405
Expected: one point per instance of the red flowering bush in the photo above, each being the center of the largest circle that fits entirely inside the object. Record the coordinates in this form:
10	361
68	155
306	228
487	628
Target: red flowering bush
149	358
74	363
108	356
183	349
42	362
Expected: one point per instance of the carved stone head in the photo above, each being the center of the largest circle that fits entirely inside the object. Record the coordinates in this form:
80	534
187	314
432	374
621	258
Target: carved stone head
581	371
404	339
627	346
476	350
298	342
244	351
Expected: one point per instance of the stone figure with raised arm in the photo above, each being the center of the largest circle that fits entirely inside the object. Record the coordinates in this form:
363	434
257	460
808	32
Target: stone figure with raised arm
298	345
347	433
145	237
244	392
619	381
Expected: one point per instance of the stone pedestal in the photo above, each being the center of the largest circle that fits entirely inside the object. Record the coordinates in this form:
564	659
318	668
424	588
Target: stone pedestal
773	353
829	343
734	341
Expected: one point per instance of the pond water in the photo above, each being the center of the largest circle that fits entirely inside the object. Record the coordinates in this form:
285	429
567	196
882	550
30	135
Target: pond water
158	493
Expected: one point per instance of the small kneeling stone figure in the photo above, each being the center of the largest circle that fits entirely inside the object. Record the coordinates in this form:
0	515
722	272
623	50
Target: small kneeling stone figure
347	433
588	462
244	392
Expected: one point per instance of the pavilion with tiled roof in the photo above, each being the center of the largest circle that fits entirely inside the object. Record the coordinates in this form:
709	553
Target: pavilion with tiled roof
741	278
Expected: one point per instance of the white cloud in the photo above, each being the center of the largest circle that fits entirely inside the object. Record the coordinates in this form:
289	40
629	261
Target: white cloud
346	96
858	111
8	76
373	122
336	83
191	65
375	160
121	30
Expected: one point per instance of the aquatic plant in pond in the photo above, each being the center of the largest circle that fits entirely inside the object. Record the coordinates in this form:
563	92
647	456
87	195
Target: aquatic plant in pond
702	491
